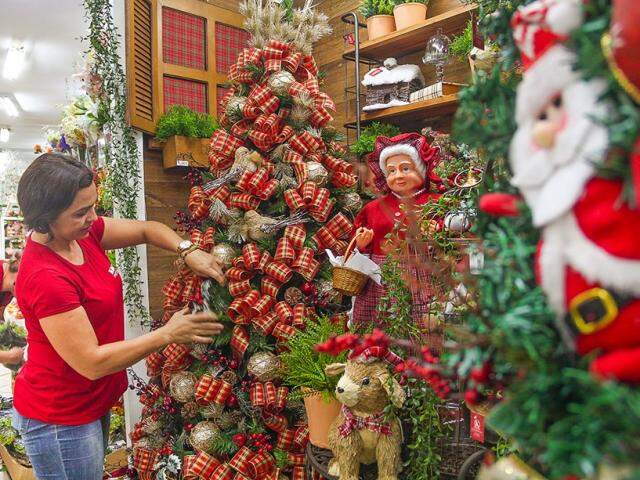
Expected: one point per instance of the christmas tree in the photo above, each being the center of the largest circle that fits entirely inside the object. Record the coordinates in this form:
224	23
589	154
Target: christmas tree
562	419
278	194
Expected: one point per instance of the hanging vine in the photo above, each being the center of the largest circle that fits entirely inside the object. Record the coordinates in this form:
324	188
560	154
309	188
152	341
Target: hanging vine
121	152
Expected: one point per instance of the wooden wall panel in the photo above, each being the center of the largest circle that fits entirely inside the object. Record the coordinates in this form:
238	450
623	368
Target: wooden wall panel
339	73
165	192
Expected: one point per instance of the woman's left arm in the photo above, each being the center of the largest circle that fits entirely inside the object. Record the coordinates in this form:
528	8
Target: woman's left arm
121	233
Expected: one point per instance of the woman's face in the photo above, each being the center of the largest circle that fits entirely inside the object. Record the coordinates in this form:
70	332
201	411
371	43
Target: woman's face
403	177
75	222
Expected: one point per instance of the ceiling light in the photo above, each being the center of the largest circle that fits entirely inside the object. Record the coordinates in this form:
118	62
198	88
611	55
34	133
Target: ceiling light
14	63
9	105
5	133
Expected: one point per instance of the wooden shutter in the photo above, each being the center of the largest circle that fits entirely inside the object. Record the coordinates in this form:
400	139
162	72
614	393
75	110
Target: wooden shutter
192	45
140	39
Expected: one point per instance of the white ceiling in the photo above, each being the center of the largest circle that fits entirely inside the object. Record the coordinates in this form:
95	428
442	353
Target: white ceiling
52	30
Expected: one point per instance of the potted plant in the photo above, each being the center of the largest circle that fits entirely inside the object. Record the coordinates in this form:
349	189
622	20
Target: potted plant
186	135
378	14
407	14
304	372
365	146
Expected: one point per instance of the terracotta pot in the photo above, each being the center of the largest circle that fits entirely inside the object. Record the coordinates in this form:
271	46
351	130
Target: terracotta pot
379	26
320	414
408	14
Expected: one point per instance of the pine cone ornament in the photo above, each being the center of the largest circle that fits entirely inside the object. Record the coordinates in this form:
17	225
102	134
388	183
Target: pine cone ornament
229	376
351	202
264	366
190	410
293	296
203	435
182	386
150	426
213	411
229	420
318	173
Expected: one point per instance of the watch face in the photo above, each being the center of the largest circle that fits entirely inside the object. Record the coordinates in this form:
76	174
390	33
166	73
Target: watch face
184	244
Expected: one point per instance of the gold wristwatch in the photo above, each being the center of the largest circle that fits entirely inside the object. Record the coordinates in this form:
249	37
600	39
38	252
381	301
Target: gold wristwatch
185	247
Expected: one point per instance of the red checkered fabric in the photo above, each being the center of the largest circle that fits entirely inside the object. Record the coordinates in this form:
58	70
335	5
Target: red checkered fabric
279	272
183	39
261	464
240	461
209	389
239	341
296	234
262	306
221	92
283	332
270	286
239	288
230	41
284	312
199	466
178	91
265	323
144	459
251	255
375	423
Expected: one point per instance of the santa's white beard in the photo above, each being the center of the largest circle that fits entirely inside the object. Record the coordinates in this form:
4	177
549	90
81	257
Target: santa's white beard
551	180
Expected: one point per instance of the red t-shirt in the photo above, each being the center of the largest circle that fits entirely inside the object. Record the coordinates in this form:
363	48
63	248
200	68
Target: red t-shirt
47	388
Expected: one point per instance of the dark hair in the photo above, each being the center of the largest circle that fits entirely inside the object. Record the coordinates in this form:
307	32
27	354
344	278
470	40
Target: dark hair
47	188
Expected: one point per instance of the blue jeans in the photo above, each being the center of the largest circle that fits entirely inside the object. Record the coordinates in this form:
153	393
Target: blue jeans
63	452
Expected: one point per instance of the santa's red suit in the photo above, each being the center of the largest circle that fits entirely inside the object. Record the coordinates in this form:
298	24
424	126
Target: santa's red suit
588	261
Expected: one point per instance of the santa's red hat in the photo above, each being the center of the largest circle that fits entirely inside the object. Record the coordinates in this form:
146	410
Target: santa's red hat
415	146
540	30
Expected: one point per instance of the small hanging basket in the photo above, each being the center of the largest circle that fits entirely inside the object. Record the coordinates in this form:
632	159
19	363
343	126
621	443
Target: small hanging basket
348	281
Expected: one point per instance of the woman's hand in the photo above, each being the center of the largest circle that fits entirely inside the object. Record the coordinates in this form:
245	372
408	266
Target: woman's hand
185	327
13	356
364	236
203	264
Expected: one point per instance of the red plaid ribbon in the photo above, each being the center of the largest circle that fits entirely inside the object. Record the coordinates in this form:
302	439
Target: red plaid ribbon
257	183
240	461
298	473
150	394
144	459
316	200
224	143
278	54
265	323
375	423
239	71
269	286
268	397
239	341
336	229
201	466
154	364
283	332
212	390
344	180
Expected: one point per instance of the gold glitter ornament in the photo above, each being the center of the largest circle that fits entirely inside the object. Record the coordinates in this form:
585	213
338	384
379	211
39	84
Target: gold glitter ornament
149	425
293	296
235	105
203	435
351	202
182	386
279	82
264	366
212	411
318	174
224	254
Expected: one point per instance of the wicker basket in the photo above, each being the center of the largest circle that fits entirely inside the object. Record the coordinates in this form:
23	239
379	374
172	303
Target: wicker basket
348	281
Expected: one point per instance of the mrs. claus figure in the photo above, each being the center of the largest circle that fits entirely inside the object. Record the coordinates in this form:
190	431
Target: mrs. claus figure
403	168
588	260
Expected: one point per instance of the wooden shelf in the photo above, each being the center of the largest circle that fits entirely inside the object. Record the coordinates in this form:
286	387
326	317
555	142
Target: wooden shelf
425	109
414	38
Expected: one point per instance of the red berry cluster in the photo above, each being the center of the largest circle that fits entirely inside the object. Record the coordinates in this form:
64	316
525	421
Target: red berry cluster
357	344
480	377
213	357
428	370
194	177
185	222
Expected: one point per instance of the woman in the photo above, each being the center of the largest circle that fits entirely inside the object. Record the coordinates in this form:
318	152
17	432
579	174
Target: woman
71	298
8	272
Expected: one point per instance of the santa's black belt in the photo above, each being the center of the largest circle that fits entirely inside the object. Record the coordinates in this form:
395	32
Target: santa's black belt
594	309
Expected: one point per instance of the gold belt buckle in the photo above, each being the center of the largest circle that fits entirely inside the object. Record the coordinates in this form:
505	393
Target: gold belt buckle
605	299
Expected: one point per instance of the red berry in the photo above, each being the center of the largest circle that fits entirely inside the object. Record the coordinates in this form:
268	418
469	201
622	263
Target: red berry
240	439
481	375
254	436
232	401
472	397
308	288
233	364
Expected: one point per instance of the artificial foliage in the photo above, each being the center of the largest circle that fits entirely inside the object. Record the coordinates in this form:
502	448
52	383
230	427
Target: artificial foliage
369	8
367	140
461	45
560	419
304	366
181	120
267	209
121	151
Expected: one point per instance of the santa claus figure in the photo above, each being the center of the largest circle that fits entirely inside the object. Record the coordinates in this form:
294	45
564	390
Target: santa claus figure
588	261
403	169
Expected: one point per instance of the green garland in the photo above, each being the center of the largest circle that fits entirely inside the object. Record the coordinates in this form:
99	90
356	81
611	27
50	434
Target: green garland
121	152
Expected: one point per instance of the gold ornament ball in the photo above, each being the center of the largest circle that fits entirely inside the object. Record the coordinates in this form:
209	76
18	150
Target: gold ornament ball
182	386
234	104
279	82
317	173
352	202
224	254
203	435
293	296
264	366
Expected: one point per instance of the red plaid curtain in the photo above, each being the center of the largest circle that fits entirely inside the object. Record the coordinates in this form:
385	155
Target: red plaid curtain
192	94
183	39
229	42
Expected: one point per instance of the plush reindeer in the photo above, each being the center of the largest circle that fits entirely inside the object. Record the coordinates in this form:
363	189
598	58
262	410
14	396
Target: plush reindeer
360	433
